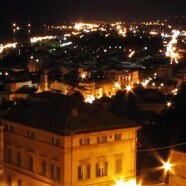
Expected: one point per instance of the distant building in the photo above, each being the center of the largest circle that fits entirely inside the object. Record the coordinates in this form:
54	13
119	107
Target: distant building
61	142
164	72
177	176
14	86
123	76
34	65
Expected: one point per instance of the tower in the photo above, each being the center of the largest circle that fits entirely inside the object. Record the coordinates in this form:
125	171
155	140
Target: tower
44	81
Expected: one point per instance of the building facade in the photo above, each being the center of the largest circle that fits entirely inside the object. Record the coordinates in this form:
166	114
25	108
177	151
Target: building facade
177	175
33	156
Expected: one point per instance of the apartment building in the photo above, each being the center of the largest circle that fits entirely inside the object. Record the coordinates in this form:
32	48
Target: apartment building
59	141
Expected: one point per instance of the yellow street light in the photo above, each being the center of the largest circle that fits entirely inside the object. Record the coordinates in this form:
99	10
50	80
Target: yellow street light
128	88
167	166
169	104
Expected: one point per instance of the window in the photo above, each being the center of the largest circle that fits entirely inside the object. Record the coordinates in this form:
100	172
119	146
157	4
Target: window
31	134
102	139
44	168
9	156
9	181
19	159
58	174
118	165
84	141
9	128
55	141
117	136
84	172
55	172
19	183
30	164
101	169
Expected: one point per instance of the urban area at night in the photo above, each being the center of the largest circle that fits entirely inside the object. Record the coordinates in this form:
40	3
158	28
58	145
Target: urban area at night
92	93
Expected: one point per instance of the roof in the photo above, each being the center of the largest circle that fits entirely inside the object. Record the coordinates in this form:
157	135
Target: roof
65	115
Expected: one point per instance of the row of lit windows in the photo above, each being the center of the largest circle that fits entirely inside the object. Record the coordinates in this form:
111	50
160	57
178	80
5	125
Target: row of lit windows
82	141
55	171
83	172
101	169
100	139
31	134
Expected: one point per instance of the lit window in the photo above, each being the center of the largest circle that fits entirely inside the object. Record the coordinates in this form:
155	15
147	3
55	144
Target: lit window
55	141
102	169
102	139
9	128
84	172
118	165
84	141
117	136
55	172
31	134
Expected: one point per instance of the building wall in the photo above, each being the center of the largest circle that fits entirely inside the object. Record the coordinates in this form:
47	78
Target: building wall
177	176
66	157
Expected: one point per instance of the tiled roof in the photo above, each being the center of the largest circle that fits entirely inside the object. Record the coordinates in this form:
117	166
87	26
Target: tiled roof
65	115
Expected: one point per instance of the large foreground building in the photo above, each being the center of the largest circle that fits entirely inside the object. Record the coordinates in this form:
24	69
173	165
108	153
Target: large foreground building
59	141
177	176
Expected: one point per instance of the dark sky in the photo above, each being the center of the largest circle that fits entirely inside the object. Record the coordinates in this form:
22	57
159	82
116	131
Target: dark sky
58	11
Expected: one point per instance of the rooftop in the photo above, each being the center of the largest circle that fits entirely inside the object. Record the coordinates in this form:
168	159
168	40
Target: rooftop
65	115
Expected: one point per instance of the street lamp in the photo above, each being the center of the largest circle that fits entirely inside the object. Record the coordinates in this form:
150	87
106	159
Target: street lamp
169	104
167	166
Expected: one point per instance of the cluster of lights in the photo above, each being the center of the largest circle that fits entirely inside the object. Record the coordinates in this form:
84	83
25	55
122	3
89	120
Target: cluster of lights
85	26
175	91
36	39
66	44
90	99
117	85
171	49
9	45
145	82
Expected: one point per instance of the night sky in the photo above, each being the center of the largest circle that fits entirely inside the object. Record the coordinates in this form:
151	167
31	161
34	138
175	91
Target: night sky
58	11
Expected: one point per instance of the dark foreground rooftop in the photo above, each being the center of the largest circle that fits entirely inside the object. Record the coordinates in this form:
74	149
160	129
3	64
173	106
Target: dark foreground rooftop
65	115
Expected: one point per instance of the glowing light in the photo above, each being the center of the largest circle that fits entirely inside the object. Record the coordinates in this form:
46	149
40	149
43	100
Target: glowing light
171	49
83	75
153	33
131	54
117	85
66	44
167	166
169	104
128	88
145	83
85	26
9	45
36	39
90	99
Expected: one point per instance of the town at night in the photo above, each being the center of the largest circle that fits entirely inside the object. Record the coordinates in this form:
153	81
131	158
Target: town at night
92	93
